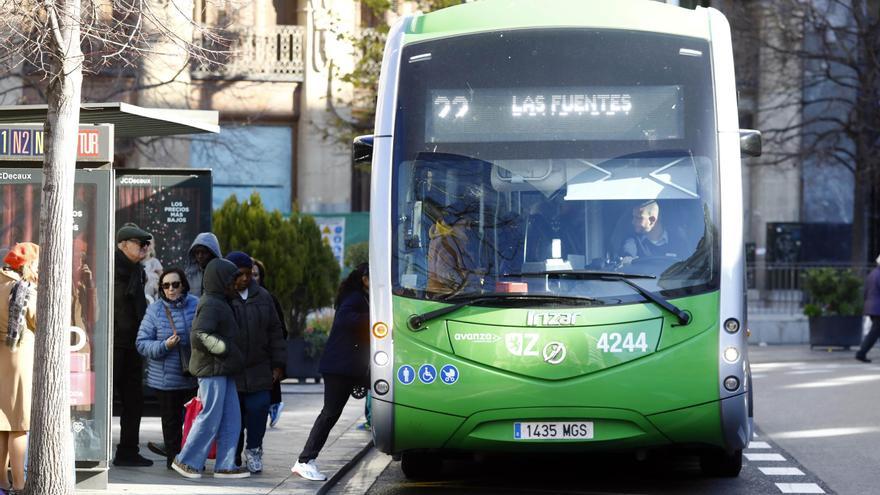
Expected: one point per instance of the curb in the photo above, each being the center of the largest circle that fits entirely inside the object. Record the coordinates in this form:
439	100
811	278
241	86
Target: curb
338	475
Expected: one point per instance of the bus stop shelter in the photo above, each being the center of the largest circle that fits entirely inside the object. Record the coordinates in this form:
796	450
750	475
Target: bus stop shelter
98	196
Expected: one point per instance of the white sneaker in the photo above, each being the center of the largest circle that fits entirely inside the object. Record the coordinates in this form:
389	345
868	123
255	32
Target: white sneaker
308	470
254	459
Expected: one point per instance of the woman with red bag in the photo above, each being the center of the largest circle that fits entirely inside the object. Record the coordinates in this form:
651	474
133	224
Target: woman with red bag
163	338
215	360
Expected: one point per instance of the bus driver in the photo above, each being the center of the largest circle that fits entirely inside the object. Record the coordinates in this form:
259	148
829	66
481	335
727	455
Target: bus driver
651	239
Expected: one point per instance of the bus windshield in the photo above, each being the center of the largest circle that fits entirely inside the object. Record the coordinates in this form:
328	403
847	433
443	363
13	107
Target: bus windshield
524	152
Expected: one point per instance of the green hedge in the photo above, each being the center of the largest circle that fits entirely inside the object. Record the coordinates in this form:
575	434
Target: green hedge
301	270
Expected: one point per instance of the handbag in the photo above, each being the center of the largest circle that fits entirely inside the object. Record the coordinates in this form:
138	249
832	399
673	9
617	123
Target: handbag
192	410
183	351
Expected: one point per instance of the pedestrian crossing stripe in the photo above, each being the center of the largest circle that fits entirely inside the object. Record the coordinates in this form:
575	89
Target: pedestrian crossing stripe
758	445
799	488
764	457
781	471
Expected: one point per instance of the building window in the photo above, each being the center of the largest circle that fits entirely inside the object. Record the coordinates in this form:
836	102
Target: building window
246	159
286	12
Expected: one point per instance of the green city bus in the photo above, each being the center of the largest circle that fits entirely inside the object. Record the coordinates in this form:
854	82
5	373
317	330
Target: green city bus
556	236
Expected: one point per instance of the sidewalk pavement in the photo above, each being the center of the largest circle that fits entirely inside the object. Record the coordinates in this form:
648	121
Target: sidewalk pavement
281	445
759	353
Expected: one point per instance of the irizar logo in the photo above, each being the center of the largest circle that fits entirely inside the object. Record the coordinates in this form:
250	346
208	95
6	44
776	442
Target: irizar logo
550	318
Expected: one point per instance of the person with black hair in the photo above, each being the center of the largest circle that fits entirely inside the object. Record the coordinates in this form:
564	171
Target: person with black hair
163	338
344	365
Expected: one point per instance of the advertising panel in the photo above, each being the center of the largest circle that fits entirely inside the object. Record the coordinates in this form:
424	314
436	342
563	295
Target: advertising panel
172	205
90	308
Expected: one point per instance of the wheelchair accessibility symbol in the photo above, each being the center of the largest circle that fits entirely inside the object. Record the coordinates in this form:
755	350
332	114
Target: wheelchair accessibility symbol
427	374
406	374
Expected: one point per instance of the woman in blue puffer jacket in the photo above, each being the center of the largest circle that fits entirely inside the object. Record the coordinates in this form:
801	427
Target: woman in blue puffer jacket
162	342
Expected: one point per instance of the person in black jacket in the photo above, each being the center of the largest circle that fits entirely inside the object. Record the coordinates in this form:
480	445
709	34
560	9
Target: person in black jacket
265	355
344	365
129	306
216	359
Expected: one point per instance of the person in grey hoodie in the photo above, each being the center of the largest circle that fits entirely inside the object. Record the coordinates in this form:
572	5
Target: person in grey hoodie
205	248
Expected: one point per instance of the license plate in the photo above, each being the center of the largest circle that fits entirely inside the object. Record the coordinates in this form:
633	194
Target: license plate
573	430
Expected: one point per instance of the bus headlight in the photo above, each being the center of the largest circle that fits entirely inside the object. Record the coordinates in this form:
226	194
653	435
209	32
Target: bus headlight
380	330
381	358
731	383
731	325
381	387
731	354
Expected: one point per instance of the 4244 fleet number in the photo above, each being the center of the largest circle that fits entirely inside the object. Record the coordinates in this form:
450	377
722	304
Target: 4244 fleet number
616	342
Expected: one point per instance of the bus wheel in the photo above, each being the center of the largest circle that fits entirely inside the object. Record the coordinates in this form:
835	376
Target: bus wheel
719	463
420	465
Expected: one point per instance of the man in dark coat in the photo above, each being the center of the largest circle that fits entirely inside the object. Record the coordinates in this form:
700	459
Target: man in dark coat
872	309
265	356
129	306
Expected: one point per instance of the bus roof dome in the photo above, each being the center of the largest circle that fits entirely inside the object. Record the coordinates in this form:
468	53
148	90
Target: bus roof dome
494	15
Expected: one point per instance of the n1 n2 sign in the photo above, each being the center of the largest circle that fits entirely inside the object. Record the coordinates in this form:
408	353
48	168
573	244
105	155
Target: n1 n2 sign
27	142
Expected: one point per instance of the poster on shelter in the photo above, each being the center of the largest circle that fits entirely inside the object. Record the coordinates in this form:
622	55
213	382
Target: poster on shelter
333	234
172	205
90	266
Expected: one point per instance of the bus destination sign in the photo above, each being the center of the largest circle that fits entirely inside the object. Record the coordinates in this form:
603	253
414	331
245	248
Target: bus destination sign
629	113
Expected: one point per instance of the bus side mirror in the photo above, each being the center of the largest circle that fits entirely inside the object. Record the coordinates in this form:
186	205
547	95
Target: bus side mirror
362	150
750	142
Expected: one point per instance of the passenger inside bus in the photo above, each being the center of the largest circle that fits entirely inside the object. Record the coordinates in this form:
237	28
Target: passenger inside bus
454	247
554	220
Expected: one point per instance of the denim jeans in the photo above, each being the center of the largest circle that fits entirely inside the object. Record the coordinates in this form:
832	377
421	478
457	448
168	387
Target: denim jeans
220	418
254	409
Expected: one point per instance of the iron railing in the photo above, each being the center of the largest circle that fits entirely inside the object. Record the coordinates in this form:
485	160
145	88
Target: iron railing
777	288
248	54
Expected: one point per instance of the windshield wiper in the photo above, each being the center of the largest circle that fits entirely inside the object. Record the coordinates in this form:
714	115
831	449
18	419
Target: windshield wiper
417	321
683	317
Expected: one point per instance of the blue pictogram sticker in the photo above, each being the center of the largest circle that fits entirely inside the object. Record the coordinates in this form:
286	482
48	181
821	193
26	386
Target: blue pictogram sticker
427	374
338	229
406	374
449	374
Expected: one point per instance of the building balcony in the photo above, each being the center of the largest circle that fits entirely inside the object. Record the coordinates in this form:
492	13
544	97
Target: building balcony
272	54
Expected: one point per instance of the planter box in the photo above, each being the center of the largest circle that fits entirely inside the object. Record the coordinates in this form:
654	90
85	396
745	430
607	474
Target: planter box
299	364
835	331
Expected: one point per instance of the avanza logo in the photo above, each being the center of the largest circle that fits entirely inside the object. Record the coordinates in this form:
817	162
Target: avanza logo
550	318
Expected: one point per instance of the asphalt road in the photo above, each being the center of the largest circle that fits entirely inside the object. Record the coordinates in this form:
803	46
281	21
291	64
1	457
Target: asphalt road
816	415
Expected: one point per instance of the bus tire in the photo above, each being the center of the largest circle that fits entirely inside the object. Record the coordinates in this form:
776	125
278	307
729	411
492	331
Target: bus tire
720	464
420	465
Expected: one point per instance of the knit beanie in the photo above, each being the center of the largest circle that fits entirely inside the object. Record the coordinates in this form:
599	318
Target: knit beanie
239	259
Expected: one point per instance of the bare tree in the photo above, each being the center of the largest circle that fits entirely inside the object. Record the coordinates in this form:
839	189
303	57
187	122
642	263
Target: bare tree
57	41
819	106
